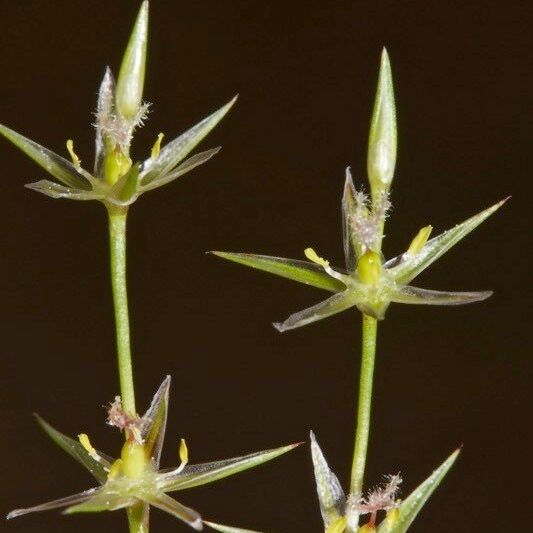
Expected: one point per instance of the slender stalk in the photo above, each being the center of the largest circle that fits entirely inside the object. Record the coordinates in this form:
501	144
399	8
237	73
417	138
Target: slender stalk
366	379
117	244
138	518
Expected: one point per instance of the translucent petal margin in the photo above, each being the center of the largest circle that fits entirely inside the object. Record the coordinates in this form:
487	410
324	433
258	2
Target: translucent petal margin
334	304
173	507
55	504
188	165
103	500
348	210
412	505
178	149
294	269
330	494
228	529
201	474
155	422
408	267
415	295
55	190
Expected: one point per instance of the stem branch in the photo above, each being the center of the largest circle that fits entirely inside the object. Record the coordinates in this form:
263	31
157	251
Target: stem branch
364	404
117	244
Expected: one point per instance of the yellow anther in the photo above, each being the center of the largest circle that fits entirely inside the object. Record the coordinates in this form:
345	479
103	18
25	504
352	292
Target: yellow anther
86	443
392	518
315	258
337	526
420	240
367	528
369	268
156	147
115	470
184	452
134	460
75	159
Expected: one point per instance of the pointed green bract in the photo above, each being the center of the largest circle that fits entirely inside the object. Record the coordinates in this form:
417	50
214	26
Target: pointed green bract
228	529
412	266
382	140
77	451
330	494
412	505
130	81
294	269
201	474
178	149
61	169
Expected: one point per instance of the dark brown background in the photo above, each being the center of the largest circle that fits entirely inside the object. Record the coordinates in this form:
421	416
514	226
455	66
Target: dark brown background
306	73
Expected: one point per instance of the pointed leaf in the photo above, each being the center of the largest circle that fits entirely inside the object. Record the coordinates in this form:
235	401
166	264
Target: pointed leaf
186	166
294	269
228	529
382	140
104	109
178	149
78	452
412	505
55	190
201	474
349	205
330	494
171	506
334	304
57	166
55	504
415	295
407	267
155	422
105	499
130	81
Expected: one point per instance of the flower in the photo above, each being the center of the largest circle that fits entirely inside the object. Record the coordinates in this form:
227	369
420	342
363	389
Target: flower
368	282
340	513
135	478
117	180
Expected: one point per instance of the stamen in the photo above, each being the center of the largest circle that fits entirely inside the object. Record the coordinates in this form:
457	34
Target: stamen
184	456
156	147
76	161
315	258
86	443
419	241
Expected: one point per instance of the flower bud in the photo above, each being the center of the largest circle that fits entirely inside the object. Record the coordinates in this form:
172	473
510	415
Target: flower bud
382	140
134	460
130	82
369	268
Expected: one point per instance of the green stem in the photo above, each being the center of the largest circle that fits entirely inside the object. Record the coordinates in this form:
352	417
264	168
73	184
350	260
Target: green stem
366	379
138	518
117	244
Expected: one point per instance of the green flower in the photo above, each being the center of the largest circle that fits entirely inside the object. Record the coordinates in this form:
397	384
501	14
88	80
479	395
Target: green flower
369	282
340	513
135	478
116	180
